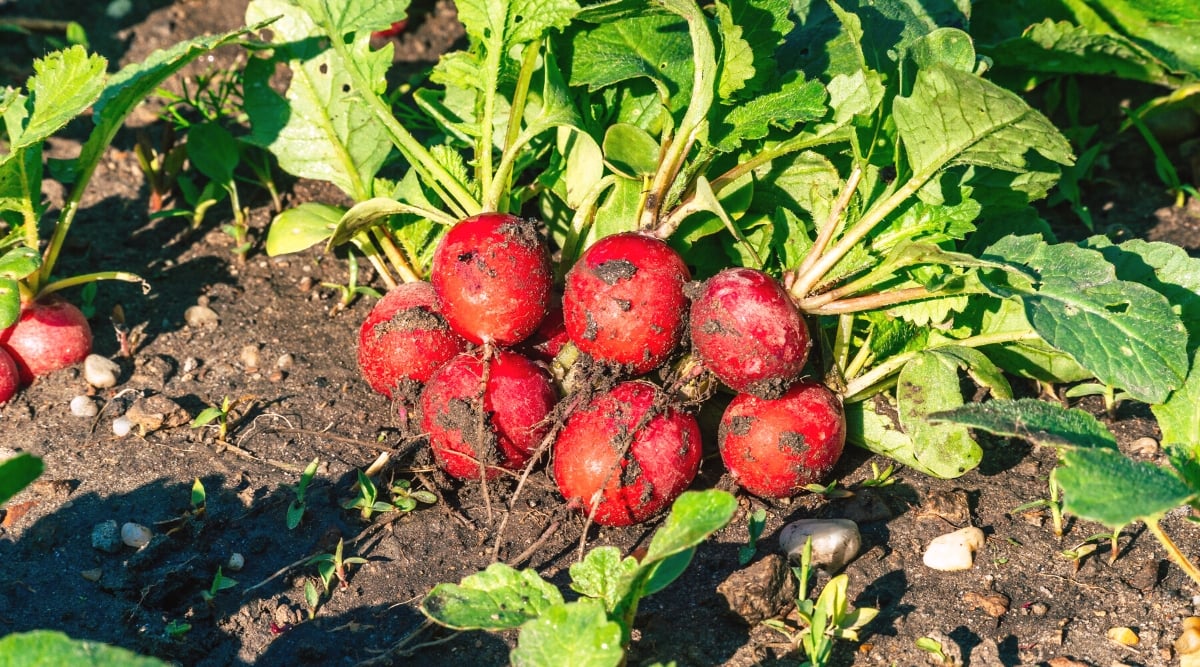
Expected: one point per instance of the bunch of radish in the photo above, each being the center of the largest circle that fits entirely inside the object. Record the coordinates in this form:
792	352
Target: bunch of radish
50	335
469	350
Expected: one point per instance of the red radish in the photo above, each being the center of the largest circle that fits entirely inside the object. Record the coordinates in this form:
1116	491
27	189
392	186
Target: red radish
551	335
747	331
500	425
629	450
492	276
773	448
405	339
624	304
10	378
396	28
50	335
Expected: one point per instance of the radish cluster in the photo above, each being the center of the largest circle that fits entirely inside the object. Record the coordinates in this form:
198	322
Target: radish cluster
50	335
469	350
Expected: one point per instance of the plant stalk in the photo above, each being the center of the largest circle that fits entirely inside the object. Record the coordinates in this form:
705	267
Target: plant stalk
868	302
500	184
1173	551
827	232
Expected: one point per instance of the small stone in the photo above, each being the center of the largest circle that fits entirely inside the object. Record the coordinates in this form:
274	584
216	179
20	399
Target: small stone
152	413
1123	636
285	362
92	575
835	542
190	365
955	551
305	284
1144	447
100	372
1039	608
236	562
761	591
953	507
201	317
276	375
135	535
121	426
106	537
992	604
82	406
249	358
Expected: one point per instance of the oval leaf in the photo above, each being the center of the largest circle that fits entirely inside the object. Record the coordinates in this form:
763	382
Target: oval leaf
20	262
630	150
302	227
694	516
496	599
927	384
1103	485
578	634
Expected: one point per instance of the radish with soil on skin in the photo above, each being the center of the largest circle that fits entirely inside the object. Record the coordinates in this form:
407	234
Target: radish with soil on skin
496	414
491	273
624	303
404	340
747	331
774	448
50	335
632	451
10	378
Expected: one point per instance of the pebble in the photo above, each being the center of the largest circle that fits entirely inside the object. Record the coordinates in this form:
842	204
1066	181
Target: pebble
761	591
236	562
285	361
135	535
100	372
82	406
249	358
1145	447
835	542
92	575
955	551
201	317
121	426
1123	636
151	413
106	537
1187	645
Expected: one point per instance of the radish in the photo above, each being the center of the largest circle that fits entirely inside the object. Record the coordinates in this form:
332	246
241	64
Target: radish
550	337
50	335
773	448
10	378
494	414
630	451
623	302
747	331
491	273
404	339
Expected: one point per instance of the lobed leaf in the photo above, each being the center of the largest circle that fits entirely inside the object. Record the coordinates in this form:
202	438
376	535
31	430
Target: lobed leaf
604	575
63	85
655	47
576	634
498	598
796	101
347	16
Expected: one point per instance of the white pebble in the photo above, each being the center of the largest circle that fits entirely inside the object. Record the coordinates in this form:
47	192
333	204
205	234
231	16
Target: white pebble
135	535
100	372
835	542
82	406
236	562
285	361
121	426
201	316
249	357
954	551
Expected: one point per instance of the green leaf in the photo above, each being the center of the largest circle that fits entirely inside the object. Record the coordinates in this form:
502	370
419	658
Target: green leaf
207	415
737	56
979	367
1164	267
1125	333
654	47
302	227
1032	358
1039	422
796	101
630	150
604	575
198	493
694	516
929	383
954	117
947	46
346	16
618	213
19	262
213	152
495	599
48	647
322	130
1178	416
1101	484
365	215
667	570
764	25
499	24
16	473
63	85
875	425
10	302
577	634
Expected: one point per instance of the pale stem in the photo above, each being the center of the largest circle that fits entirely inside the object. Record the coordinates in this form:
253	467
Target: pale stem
828	231
582	220
492	195
868	302
483	169
74	281
399	262
841	341
1173	551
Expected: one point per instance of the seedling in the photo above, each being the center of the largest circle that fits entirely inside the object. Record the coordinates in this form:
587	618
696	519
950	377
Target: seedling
219	583
161	168
880	478
758	521
296	508
176	629
826	620
1053	503
351	290
830	491
1112	397
406	500
1162	164
367	502
1077	553
223	415
934	648
329	566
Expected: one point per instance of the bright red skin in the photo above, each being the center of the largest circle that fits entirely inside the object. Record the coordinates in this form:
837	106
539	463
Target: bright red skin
10	378
550	337
773	448
747	331
491	273
623	303
666	451
517	401
404	338
49	336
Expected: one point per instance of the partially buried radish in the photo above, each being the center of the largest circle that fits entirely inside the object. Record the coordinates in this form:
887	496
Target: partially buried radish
774	448
494	414
628	453
623	303
491	273
404	339
10	379
50	335
747	331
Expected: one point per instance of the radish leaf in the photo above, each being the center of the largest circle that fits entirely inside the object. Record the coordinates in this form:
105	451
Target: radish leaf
578	633
498	598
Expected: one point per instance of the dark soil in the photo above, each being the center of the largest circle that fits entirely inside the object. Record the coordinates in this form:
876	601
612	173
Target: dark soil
291	367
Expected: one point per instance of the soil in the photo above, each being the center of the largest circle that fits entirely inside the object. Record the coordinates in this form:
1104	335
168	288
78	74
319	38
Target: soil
282	349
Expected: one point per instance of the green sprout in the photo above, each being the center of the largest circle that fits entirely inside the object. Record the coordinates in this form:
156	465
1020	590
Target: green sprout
296	509
351	290
880	478
219	583
405	499
758	521
367	501
329	566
